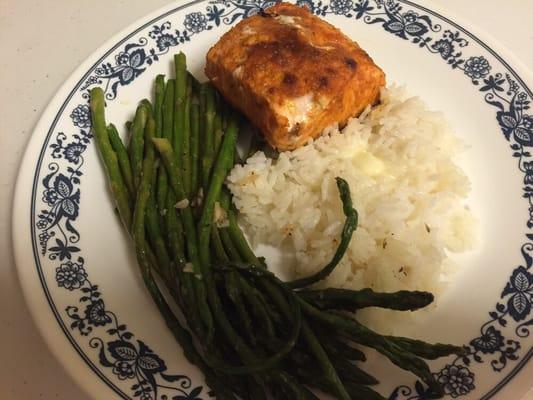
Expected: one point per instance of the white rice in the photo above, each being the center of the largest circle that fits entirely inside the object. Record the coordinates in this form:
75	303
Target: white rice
409	193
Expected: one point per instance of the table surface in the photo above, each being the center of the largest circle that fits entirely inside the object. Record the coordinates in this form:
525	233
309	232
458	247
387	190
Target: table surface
32	70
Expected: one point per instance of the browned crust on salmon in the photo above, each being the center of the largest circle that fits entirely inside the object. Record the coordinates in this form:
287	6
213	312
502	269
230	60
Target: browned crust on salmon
286	56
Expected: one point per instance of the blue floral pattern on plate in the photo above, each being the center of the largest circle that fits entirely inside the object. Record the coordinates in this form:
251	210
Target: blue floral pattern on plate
132	360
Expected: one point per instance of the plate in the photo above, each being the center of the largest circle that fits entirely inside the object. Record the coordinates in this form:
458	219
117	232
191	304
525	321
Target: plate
77	269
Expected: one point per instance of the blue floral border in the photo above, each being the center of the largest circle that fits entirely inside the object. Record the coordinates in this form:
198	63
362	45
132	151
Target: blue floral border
132	360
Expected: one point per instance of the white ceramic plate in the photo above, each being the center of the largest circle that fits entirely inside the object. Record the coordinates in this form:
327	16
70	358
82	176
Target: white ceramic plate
77	269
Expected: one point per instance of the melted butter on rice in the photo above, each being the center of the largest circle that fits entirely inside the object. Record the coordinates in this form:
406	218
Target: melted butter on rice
398	159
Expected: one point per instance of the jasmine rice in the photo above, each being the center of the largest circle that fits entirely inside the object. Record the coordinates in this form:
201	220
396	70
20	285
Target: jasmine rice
398	159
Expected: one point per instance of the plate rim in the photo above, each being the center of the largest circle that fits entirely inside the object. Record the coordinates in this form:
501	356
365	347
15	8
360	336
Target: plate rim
35	303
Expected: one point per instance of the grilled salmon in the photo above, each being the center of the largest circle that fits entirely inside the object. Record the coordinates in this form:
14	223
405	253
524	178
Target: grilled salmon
292	74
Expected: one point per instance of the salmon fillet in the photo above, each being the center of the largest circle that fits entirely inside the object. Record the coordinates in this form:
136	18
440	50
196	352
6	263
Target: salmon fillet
292	74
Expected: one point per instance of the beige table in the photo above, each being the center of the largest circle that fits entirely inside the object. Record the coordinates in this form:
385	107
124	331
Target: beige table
41	42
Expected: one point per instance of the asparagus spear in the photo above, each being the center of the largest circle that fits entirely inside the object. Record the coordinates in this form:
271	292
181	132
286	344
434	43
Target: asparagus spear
240	241
349	227
337	347
158	104
426	350
109	157
195	144
137	142
217	132
186	147
208	138
122	156
351	300
167	120
180	63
